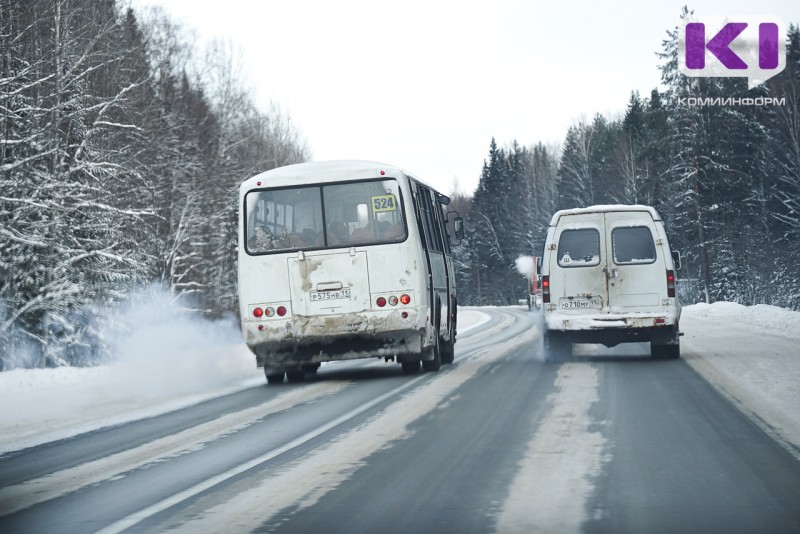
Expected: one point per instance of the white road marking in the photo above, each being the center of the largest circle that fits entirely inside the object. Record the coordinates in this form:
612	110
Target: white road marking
26	494
141	515
304	482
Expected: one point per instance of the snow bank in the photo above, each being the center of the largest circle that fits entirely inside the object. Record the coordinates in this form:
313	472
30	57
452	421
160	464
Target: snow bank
770	318
42	405
163	359
752	355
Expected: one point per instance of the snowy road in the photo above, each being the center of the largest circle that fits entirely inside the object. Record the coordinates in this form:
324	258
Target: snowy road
608	442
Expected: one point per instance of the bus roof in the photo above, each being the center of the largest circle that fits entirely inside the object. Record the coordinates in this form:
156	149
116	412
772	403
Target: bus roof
605	208
321	172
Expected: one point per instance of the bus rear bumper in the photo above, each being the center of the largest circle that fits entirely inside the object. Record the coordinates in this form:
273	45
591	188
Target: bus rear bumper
304	340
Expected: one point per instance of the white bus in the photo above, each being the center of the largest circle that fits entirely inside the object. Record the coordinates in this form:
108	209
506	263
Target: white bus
341	260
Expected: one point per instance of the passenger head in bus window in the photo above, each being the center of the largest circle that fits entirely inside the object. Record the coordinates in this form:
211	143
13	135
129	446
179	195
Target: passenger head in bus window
382	227
309	236
337	233
395	232
362	235
261	241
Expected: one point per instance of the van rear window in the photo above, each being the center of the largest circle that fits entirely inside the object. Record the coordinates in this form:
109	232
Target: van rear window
579	248
633	245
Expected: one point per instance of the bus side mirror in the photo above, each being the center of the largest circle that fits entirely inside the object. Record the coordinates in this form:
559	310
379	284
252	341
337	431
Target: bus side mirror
676	259
458	227
539	265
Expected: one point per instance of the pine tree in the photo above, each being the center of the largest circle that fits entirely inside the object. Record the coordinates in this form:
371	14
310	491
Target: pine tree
576	183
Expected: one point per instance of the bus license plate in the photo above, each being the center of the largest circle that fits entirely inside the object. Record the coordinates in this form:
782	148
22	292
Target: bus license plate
330	295
575	304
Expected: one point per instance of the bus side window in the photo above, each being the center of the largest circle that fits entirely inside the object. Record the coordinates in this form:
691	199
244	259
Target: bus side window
429	221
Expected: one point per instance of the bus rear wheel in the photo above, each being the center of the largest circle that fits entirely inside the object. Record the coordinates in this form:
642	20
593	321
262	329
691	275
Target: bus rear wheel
273	378
434	364
410	368
295	376
448	351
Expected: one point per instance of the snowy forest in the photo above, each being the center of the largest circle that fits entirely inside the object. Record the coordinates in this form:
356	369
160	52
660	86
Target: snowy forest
121	153
725	179
122	148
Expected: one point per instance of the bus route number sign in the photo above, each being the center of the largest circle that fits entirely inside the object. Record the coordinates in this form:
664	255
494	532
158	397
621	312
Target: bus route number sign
384	203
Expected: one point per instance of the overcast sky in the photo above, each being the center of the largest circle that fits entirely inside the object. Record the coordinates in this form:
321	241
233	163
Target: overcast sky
426	84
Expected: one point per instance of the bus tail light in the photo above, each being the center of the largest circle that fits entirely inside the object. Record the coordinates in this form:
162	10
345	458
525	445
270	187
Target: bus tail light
269	312
281	311
381	302
405	299
258	312
393	300
670	283
546	288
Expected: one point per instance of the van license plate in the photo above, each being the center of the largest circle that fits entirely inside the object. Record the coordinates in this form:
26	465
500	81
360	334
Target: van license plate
573	304
330	295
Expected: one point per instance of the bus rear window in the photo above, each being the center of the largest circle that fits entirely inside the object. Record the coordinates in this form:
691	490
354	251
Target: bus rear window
579	248
324	216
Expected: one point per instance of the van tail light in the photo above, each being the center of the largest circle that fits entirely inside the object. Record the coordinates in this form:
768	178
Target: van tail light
546	288
670	283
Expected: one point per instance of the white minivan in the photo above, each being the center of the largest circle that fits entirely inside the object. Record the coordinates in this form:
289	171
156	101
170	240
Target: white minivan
608	276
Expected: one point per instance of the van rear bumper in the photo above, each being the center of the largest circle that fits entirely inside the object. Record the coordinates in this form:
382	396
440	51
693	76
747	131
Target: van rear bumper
566	321
610	330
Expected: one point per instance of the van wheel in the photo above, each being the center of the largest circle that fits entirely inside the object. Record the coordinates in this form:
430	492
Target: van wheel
666	345
665	352
410	368
274	378
557	347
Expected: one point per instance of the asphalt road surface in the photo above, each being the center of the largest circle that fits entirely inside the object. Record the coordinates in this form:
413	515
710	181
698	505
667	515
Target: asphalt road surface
500	441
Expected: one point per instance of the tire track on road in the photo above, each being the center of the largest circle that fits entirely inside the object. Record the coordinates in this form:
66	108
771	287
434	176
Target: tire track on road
305	481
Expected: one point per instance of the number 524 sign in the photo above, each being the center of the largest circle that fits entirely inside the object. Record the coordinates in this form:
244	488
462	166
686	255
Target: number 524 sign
747	47
384	203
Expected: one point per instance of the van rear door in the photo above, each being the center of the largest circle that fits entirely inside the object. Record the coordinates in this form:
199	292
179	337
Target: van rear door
577	277
635	263
609	261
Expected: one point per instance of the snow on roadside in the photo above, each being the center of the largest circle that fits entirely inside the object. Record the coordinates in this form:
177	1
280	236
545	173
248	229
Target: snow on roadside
167	362
163	359
43	405
752	355
470	318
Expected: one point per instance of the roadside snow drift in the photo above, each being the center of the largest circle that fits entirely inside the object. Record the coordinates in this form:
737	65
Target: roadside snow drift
163	359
